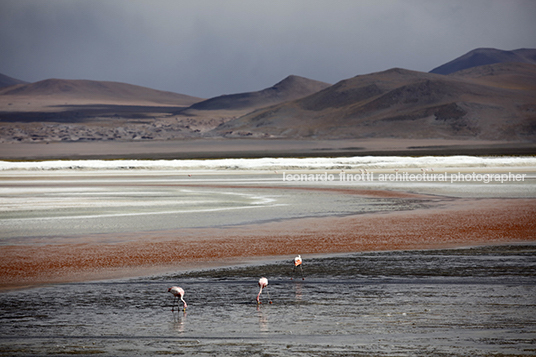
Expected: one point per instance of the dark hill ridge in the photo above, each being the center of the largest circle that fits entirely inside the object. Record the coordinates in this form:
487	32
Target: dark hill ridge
399	103
505	75
485	56
6	81
96	91
290	88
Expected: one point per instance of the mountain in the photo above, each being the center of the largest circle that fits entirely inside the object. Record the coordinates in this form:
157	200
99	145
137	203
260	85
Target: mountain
6	81
511	75
494	103
290	88
65	91
485	56
484	102
84	110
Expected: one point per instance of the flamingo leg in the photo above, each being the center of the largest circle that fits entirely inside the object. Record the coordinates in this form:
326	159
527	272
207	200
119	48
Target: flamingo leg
294	272
178	303
269	300
259	296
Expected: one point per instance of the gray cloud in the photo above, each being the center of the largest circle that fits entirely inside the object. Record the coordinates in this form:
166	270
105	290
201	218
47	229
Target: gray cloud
211	47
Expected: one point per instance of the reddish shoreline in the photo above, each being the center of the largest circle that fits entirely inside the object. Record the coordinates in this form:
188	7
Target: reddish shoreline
256	148
455	223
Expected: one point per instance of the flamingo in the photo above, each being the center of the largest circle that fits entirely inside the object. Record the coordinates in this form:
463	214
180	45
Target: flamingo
298	263
179	293
263	282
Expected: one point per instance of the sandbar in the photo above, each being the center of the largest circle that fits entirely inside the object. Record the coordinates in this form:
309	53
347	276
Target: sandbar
449	223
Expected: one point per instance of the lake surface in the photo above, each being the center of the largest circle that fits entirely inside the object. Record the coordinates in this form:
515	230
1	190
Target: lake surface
457	302
77	206
38	204
476	301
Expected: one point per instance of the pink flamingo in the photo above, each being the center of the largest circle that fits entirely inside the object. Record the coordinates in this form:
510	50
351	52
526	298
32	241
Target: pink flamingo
179	293
298	263
263	282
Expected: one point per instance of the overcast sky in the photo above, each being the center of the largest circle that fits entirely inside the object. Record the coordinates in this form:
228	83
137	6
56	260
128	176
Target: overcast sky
207	48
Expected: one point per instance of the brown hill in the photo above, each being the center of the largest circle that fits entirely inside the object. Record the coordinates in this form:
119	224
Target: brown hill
486	56
290	88
6	81
208	114
63	91
503	75
397	103
74	110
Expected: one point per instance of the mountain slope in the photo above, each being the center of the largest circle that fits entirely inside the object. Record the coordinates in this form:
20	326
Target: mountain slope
398	103
485	56
6	81
504	75
61	91
290	88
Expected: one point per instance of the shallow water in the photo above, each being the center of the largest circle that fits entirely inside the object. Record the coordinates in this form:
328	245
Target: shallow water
75	206
459	302
41	205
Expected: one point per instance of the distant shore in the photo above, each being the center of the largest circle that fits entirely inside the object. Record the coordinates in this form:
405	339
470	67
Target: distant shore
255	148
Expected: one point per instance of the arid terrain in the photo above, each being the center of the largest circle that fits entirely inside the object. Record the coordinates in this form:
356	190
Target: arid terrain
73	111
488	100
485	56
493	102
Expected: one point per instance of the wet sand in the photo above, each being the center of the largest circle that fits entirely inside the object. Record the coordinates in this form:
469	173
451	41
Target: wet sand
449	223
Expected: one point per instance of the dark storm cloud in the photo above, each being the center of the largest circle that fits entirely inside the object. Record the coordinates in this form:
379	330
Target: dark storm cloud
206	48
